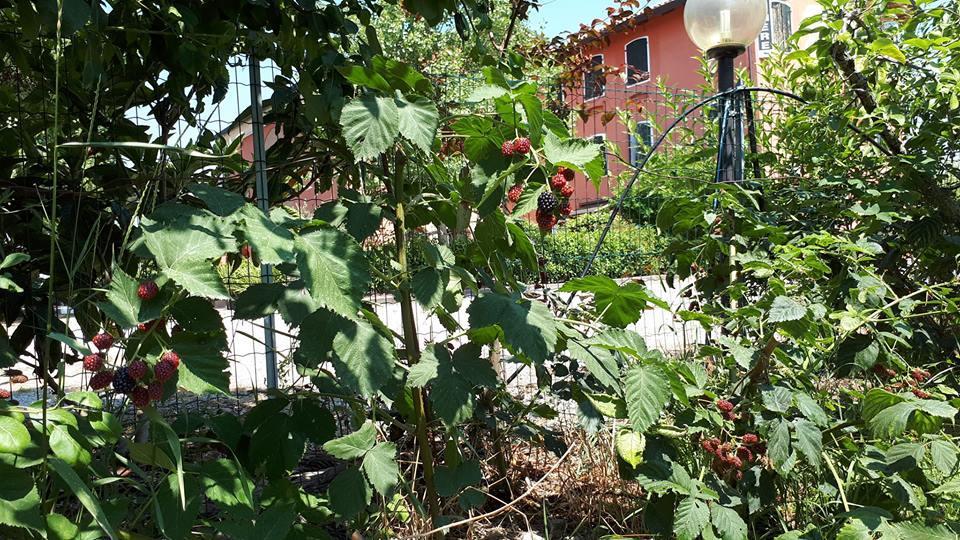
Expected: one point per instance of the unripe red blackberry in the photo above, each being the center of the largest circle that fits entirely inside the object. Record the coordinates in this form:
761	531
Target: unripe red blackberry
565	208
140	397
164	370
172	357
148	290
5	394
745	454
724	406
246	251
122	381
546	222
521	145
507	148
920	393
546	202
103	341
19	379
155	390
137	369
101	380
513	195
567	190
750	438
568	174
557	181
710	445
93	362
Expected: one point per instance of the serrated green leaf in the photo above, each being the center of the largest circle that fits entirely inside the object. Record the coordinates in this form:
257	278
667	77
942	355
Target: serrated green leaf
349	493
777	398
19	499
528	326
811	409
364	359
59	527
427	286
943	454
691	517
203	366
380	465
418	120
271	242
333	268
572	153
729	524
809	440
122	304
892	421
785	309
779	443
199	279
217	199
370	125
599	361
14	437
618	305
84	495
65	447
353	445
647	392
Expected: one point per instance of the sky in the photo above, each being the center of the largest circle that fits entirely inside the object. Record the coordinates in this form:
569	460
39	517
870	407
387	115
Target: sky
556	16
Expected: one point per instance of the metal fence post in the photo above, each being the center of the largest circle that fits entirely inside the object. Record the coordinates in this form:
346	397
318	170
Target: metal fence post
263	202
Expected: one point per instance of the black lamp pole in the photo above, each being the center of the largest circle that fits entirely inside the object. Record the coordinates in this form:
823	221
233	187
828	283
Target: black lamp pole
730	157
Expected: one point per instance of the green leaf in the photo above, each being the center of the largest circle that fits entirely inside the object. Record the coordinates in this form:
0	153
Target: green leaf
599	361
691	517
943	453
380	464
275	522
199	278
364	76
571	153
70	342
528	326
226	483
777	398
620	305
951	487
630	446
886	47
355	444
779	443
364	359
14	259
647	392
174	521
485	92
729	524
203	367
622	340
65	447
19	500
452	397
333	268
150	454
809	440
83	494
452	479
173	443
892	421
919	531
523	247
271	242
811	409
176	234
217	199
14	437
122	304
418	120
349	493
199	315
877	400
474	369
534	111
427	286
423	371
59	527
370	125
786	309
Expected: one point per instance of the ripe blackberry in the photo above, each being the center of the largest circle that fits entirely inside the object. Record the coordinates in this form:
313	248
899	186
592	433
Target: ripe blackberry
122	381
569	174
724	406
148	290
103	341
567	190
155	391
172	357
93	362
514	194
137	369
507	148
164	371
546	202
521	145
140	397
101	380
557	181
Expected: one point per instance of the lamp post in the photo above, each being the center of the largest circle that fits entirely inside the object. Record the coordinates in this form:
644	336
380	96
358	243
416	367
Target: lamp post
724	29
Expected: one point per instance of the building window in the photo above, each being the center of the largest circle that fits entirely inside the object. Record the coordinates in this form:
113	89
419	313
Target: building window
594	80
781	26
599	141
640	142
638	61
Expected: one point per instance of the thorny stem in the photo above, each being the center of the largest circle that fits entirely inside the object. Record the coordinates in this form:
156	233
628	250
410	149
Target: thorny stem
412	345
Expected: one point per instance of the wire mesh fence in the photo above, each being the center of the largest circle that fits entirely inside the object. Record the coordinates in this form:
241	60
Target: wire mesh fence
623	119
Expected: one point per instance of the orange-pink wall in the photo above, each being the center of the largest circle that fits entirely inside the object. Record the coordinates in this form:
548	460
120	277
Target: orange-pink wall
673	59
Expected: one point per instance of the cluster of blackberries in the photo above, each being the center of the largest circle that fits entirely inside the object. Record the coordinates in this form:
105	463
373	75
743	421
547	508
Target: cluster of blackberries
726	408
131	379
555	203
916	377
729	459
520	145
